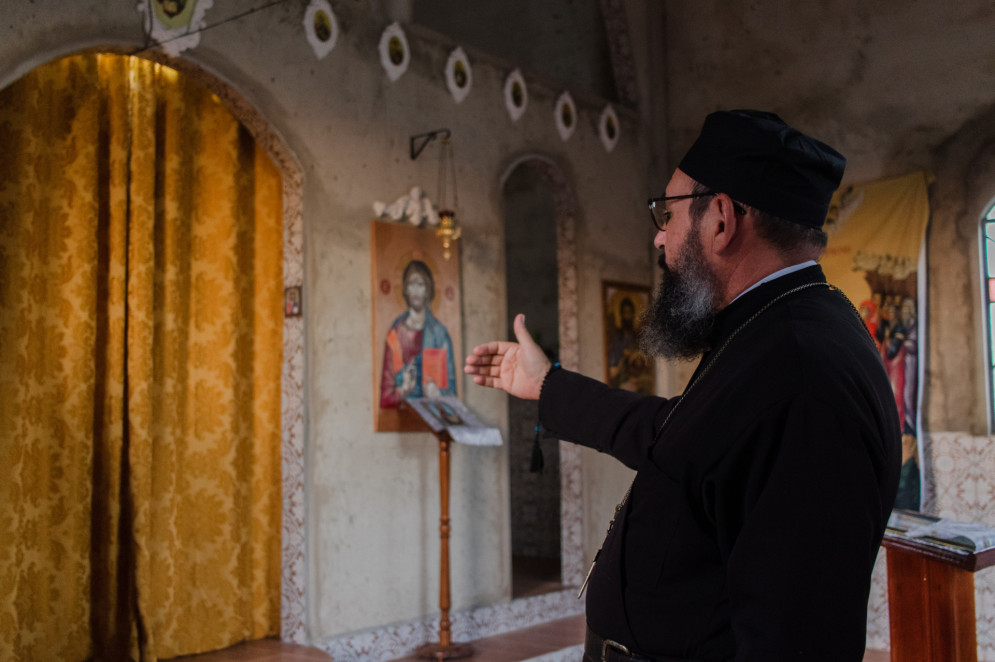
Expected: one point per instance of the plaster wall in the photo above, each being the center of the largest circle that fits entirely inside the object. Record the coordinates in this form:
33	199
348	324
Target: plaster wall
896	87
372	499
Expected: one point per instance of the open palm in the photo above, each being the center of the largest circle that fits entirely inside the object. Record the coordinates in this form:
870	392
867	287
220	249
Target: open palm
517	368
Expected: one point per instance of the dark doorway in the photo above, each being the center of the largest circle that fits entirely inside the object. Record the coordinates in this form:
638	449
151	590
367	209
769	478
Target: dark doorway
530	243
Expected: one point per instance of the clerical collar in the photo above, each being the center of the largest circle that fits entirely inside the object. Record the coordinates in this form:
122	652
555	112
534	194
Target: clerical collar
777	274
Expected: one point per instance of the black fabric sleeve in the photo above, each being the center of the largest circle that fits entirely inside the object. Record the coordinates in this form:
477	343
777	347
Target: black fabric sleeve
584	411
799	536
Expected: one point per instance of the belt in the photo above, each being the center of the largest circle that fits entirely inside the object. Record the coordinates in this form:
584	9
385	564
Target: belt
597	649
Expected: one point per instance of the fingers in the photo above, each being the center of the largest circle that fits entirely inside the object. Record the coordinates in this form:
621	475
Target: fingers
488	354
493	347
484	359
486	374
486	381
484	369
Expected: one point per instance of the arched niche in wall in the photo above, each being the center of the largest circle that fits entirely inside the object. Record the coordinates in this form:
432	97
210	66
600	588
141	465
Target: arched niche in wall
292	599
540	216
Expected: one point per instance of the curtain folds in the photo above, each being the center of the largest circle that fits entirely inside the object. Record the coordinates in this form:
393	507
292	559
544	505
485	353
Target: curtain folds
140	367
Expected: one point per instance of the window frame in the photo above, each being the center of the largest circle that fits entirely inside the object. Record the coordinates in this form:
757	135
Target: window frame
986	246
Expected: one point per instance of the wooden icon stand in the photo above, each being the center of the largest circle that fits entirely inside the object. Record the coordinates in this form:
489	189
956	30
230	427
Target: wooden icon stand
931	599
445	649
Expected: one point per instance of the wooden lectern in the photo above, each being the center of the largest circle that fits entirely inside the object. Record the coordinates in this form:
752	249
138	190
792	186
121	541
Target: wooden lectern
445	649
931	599
450	421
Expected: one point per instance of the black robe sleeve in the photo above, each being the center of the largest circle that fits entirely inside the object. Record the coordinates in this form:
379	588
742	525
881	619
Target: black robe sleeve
584	411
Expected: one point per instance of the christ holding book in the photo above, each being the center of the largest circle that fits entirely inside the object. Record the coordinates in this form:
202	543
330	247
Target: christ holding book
418	353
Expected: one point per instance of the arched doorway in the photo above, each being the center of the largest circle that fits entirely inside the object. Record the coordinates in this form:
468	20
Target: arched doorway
530	265
540	215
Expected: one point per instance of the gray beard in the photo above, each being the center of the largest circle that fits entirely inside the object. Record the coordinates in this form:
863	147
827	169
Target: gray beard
679	322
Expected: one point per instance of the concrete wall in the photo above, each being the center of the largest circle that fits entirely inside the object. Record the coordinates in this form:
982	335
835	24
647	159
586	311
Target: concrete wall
371	498
895	86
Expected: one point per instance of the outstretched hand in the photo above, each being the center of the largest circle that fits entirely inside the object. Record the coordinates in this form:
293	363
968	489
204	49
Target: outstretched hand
518	368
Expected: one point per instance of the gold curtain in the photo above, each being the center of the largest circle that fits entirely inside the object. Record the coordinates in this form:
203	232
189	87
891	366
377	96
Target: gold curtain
140	367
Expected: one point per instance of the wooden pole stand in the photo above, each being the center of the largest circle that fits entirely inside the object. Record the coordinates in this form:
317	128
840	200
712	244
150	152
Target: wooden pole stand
445	649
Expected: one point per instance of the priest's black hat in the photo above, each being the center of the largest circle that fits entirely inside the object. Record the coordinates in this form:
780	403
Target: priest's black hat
757	159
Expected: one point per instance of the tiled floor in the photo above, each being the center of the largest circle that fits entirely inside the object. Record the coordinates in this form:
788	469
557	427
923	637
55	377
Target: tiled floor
509	647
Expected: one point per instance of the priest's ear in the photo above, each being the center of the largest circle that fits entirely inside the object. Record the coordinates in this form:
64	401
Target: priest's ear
727	218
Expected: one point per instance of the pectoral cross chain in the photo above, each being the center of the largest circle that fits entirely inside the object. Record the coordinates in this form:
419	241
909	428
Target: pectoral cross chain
618	509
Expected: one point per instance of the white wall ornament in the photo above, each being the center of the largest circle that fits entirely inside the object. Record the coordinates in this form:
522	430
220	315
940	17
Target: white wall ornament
394	52
608	128
413	207
516	95
174	24
566	115
321	27
459	75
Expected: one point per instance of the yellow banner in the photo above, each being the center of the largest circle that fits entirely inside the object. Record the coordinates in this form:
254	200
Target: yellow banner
875	236
876	233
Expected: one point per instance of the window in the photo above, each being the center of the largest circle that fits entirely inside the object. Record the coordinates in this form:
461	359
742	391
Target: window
988	227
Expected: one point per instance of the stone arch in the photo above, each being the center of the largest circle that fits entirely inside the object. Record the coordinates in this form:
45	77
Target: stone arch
571	496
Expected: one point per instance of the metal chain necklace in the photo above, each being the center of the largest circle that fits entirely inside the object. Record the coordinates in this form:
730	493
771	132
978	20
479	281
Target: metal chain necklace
698	378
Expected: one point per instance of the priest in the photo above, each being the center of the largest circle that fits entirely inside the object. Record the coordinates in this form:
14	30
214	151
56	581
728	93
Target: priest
761	494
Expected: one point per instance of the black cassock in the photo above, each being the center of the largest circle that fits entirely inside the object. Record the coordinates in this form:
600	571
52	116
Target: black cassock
756	514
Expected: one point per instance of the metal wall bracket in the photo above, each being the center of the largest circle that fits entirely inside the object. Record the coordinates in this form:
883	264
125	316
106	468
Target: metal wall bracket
419	142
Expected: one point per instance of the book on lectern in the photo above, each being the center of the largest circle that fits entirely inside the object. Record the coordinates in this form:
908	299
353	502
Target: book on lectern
450	414
969	536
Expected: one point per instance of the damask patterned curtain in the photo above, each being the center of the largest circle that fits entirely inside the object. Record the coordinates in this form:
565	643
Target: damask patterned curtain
140	364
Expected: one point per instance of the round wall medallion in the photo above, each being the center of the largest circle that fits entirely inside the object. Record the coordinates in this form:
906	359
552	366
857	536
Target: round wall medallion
394	53
459	75
321	27
608	128
566	115
516	95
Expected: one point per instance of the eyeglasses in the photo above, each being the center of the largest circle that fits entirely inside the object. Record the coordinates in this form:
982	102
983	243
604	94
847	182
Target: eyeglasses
658	207
661	215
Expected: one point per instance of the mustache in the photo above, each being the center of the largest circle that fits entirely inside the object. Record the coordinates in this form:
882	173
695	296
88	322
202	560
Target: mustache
661	262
